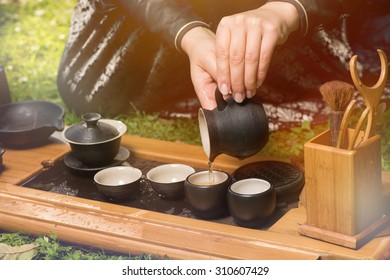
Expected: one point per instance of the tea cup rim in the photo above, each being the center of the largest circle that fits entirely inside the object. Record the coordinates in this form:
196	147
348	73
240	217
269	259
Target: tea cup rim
138	176
254	194
187	169
188	182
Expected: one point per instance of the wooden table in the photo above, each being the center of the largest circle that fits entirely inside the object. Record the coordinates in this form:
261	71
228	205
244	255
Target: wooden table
125	229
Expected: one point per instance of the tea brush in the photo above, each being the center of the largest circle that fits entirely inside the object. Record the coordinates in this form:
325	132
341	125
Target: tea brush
337	95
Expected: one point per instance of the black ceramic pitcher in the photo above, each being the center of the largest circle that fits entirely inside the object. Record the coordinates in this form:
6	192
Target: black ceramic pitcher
236	129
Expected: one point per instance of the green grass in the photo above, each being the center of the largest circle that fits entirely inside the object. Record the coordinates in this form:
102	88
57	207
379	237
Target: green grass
50	248
33	35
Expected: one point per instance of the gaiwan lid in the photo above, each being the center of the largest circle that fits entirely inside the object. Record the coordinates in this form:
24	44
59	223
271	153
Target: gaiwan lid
91	130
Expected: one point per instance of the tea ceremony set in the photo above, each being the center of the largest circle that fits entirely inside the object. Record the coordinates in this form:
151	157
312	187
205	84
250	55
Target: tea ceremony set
93	184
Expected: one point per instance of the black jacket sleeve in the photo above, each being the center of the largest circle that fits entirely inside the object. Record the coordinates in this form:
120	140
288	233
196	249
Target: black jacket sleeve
316	13
164	17
170	19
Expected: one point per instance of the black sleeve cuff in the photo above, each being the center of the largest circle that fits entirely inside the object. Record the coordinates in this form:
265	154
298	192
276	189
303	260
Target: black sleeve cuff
304	21
184	29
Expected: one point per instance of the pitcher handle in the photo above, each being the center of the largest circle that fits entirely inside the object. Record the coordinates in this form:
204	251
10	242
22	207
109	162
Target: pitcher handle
221	103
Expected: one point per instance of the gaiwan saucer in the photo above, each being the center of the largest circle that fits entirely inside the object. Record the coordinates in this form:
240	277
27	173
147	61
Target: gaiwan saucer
73	163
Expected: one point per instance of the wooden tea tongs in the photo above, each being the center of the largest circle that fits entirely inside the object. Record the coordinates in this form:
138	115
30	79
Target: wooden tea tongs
371	96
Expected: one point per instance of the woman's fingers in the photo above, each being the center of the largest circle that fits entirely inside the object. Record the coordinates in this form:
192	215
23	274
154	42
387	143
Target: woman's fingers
230	49
268	44
252	59
245	43
238	51
222	57
237	64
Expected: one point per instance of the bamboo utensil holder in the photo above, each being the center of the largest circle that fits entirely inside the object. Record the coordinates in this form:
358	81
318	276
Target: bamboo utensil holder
344	194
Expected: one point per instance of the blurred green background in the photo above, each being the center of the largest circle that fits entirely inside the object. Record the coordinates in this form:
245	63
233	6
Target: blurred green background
32	37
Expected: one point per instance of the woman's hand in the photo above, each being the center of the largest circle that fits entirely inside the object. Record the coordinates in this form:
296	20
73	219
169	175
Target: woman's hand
245	43
199	45
238	56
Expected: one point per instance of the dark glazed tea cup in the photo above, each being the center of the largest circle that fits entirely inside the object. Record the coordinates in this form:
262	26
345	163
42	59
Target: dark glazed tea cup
251	202
119	182
208	200
168	179
236	129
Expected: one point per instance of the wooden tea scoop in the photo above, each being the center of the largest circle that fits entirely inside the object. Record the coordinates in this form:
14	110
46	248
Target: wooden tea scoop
371	95
344	124
356	131
352	142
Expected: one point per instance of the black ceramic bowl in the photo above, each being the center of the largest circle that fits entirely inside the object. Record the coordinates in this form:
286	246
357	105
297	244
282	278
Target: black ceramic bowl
119	182
168	180
96	154
251	202
95	144
29	123
207	201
